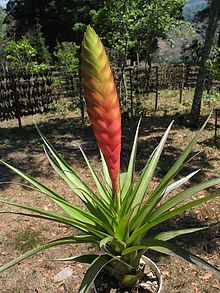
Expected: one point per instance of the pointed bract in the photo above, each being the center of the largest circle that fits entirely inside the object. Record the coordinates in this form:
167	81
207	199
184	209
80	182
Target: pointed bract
102	101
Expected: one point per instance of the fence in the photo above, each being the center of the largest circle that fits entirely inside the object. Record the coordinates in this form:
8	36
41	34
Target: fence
24	93
138	80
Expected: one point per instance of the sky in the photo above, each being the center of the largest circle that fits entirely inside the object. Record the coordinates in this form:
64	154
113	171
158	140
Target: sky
3	3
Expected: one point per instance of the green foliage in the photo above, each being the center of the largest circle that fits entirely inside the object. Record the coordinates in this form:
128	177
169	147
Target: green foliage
134	25
191	52
2	36
21	55
129	26
20	52
59	108
213	63
138	109
1	26
37	68
37	40
211	97
56	19
187	102
67	55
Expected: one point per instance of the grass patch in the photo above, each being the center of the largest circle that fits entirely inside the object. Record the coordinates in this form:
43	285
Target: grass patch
24	240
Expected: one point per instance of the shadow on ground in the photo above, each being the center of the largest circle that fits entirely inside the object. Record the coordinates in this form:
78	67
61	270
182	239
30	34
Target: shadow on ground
23	147
205	242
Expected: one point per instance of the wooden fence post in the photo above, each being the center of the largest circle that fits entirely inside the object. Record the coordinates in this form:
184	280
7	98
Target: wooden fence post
131	91
181	82
157	86
81	101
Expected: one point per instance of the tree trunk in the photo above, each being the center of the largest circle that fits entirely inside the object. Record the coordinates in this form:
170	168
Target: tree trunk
214	11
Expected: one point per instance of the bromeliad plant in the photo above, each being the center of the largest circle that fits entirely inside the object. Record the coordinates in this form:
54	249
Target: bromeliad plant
119	215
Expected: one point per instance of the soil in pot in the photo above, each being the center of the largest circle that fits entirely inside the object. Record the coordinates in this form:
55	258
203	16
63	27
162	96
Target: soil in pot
149	283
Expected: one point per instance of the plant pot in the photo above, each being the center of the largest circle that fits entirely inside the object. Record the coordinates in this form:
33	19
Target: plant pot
154	268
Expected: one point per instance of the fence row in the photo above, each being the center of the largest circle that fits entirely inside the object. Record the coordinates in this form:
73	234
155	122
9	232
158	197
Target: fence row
26	93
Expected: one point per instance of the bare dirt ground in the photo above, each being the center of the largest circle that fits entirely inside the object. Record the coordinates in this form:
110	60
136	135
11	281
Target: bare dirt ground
23	149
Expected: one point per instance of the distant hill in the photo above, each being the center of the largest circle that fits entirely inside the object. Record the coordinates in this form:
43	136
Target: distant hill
192	7
171	54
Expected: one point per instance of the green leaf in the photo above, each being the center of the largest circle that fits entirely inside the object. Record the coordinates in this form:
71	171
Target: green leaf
68	171
59	220
70	209
177	165
90	199
143	229
107	177
122	179
85	227
83	194
48	215
61	241
146	176
171	249
102	191
100	211
97	265
122	228
112	245
172	234
131	166
126	204
86	258
177	199
143	183
156	196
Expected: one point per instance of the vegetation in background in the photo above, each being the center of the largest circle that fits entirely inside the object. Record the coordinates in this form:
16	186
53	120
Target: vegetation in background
133	27
213	19
67	55
2	30
191	51
213	63
37	40
20	56
2	37
133	30
56	18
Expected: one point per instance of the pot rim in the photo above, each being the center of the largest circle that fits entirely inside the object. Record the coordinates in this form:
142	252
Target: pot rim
156	270
154	267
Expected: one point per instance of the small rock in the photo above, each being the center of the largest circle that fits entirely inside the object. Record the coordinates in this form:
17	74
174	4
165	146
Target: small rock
63	275
148	287
151	276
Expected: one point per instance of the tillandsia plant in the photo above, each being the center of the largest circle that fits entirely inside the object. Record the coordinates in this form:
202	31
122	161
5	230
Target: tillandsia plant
121	212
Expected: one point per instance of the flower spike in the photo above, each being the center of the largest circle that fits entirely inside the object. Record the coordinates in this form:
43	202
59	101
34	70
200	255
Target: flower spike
102	102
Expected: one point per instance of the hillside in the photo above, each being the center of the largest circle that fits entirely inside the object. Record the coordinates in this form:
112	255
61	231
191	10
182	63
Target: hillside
192	7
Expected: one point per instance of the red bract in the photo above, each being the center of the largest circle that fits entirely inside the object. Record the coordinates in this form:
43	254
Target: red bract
102	102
